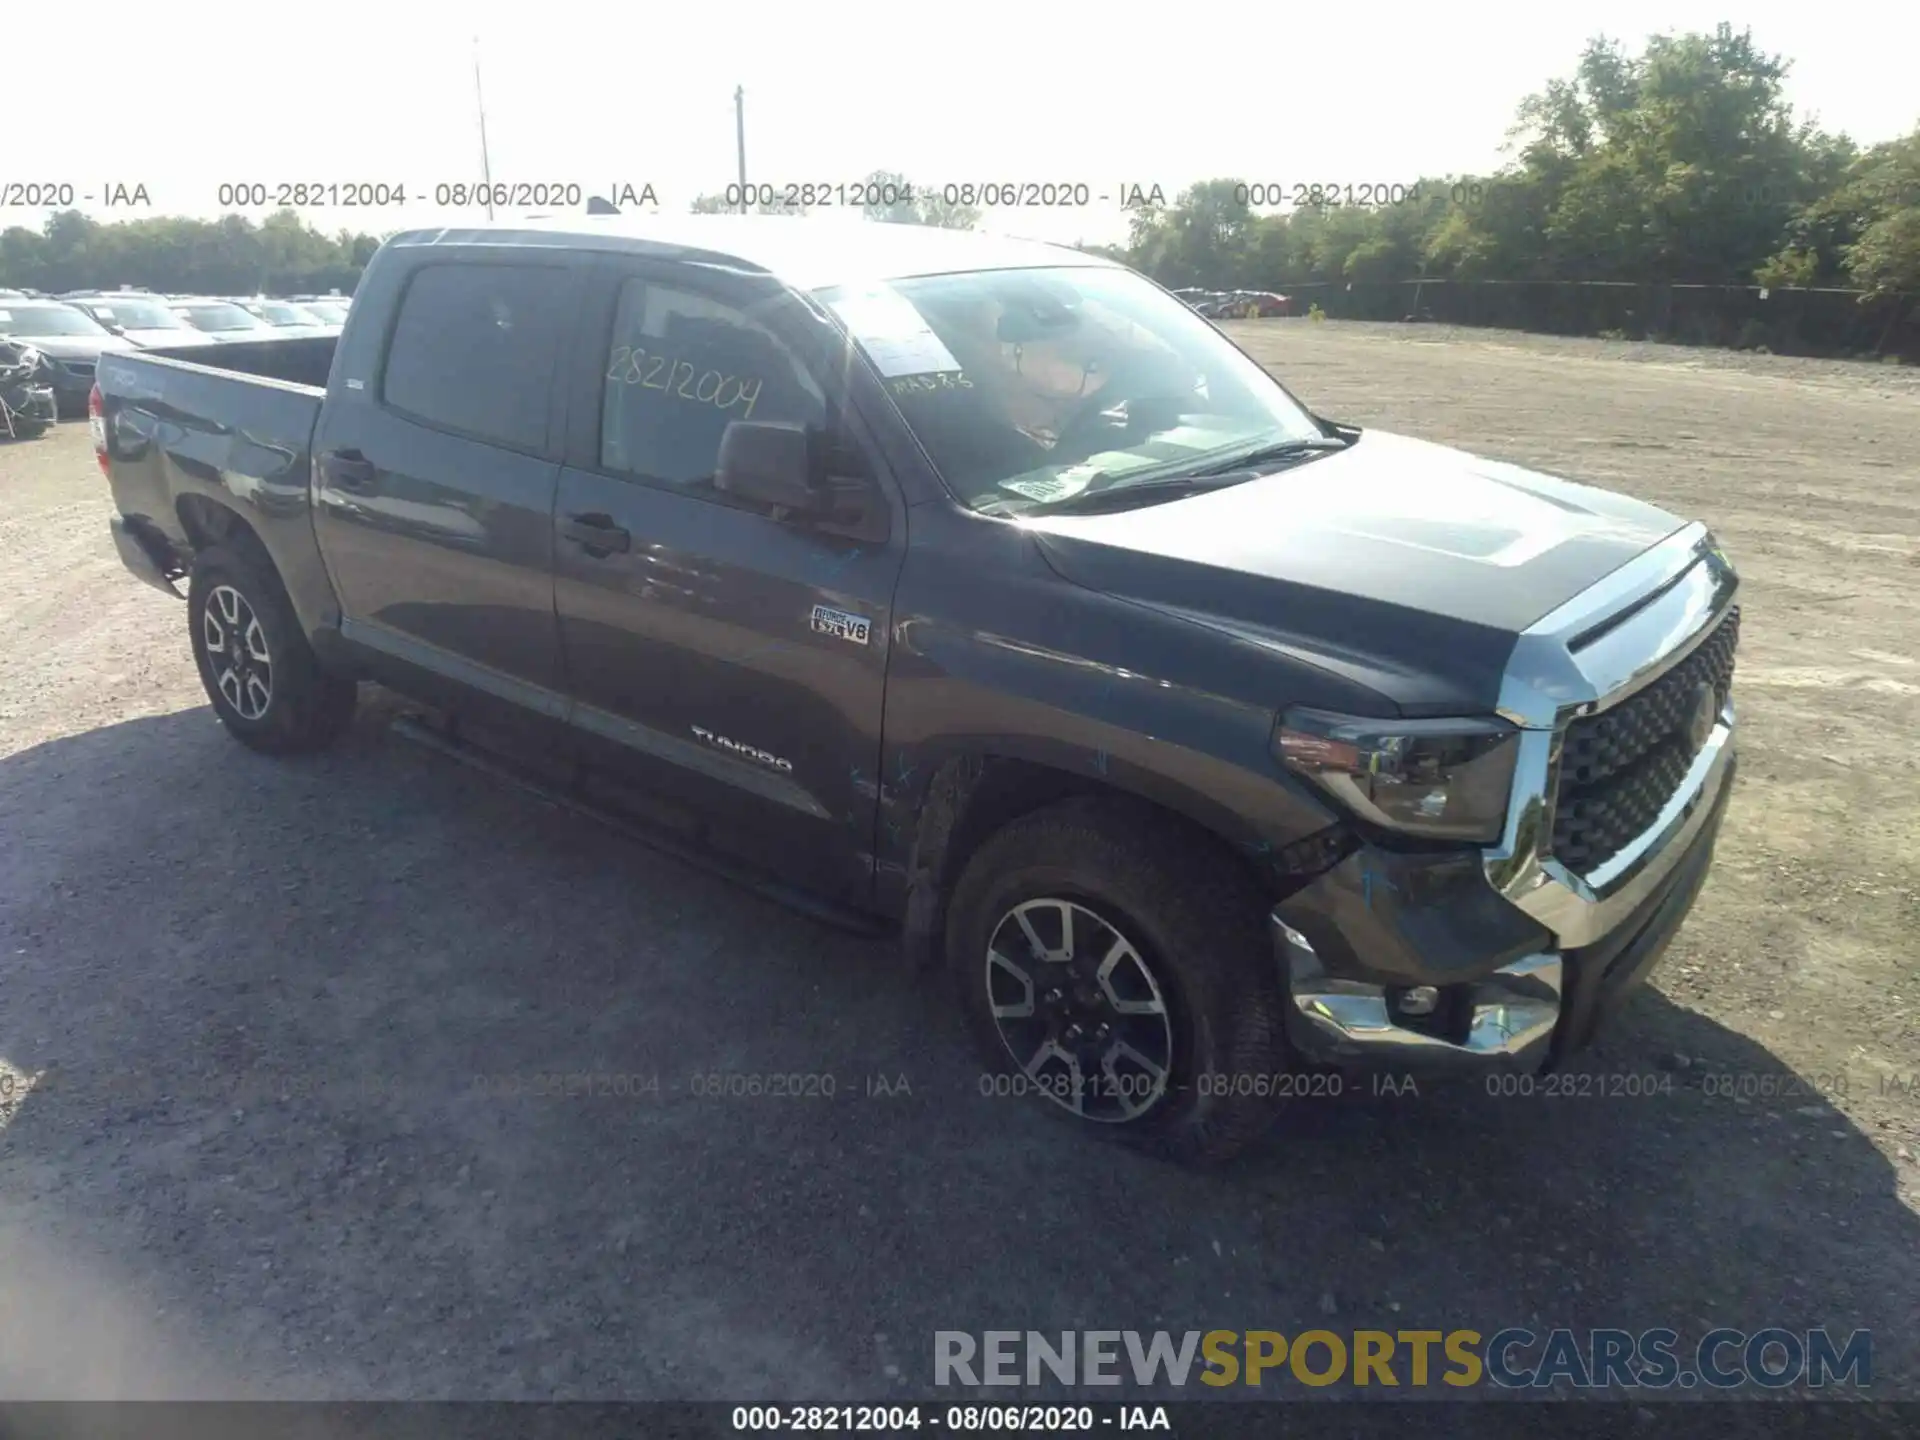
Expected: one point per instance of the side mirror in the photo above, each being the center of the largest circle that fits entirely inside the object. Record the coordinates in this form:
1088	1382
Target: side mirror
772	464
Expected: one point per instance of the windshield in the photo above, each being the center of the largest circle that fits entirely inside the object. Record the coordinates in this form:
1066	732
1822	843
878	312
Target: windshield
280	312
219	317
134	314
328	311
39	320
1029	387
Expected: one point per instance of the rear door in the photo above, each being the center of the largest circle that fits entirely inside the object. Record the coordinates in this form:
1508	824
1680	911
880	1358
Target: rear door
718	656
437	462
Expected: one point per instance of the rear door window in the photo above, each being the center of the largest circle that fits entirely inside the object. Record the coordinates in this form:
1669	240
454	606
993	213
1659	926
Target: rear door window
474	349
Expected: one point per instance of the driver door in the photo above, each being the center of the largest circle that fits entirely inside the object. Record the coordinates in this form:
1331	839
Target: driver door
728	663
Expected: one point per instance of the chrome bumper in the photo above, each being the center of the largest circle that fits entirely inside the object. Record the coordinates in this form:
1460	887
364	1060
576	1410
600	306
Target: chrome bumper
1334	1021
1578	661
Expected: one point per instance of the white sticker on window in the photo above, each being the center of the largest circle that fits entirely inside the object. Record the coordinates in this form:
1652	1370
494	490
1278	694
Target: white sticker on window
1058	486
895	336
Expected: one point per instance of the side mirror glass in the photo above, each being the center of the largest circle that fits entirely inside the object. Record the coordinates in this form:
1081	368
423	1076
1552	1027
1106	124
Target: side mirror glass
772	464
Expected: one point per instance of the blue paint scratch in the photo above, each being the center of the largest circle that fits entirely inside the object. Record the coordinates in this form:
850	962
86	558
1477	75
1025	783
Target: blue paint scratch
1100	761
903	772
840	566
754	652
1366	884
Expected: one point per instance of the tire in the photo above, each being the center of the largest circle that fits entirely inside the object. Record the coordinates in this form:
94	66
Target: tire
277	700
1197	928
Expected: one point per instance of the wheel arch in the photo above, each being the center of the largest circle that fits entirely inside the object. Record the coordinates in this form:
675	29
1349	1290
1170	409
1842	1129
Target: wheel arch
973	795
206	523
292	557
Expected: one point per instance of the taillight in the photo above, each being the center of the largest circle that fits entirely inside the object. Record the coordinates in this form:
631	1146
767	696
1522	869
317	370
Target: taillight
97	424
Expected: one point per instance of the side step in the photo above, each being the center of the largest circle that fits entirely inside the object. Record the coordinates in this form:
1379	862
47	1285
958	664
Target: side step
446	741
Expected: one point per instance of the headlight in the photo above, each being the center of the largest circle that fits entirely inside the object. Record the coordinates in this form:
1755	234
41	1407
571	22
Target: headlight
1439	779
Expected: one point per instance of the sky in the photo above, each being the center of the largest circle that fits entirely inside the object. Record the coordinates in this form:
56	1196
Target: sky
186	96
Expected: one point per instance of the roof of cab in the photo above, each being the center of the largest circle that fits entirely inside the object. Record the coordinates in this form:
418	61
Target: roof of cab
808	252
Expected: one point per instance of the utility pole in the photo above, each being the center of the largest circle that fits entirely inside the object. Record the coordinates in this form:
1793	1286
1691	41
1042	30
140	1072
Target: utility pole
480	103
740	139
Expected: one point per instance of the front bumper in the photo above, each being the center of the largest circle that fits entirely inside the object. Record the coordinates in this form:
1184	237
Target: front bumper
1526	957
33	402
71	382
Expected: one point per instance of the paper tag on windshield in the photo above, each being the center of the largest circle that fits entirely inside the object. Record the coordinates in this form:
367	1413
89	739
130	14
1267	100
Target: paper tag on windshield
892	332
1058	486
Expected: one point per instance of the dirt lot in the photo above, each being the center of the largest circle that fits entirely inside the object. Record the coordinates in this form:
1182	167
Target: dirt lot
257	997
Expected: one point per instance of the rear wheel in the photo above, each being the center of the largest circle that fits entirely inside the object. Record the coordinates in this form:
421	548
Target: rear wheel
261	675
1116	971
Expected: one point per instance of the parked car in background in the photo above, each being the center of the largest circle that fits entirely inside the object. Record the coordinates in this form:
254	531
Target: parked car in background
135	315
221	319
26	402
330	308
69	342
287	318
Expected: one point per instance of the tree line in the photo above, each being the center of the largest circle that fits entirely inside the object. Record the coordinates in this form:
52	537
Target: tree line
1683	164
1680	165
282	255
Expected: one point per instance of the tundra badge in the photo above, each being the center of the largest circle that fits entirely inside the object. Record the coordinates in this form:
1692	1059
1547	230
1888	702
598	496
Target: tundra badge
841	625
734	747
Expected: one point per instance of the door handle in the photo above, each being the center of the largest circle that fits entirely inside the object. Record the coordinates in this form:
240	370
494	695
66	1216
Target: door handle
596	534
349	469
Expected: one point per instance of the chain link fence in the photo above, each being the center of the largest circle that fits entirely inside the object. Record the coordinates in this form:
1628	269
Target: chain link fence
1741	317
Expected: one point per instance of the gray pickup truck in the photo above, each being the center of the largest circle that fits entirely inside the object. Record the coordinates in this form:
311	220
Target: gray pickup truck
980	590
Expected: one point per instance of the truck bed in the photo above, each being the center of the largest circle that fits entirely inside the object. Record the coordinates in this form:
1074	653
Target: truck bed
304	360
225	423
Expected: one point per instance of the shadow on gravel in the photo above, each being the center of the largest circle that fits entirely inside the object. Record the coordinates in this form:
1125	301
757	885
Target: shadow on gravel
368	1076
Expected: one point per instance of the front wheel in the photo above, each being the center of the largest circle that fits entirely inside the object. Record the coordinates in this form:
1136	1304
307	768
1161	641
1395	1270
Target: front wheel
1119	972
259	671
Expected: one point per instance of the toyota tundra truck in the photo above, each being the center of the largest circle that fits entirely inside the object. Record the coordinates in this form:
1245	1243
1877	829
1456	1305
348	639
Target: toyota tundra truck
980	591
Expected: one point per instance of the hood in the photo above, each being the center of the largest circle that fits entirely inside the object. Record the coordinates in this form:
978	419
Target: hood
161	337
75	347
1408	566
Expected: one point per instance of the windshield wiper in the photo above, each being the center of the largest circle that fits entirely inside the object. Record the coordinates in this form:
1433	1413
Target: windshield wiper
1268	454
1217	476
1145	492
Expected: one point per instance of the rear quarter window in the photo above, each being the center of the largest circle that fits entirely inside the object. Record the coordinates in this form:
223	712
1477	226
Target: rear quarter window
474	349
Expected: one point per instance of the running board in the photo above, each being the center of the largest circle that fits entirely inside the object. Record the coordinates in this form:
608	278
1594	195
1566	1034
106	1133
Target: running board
840	917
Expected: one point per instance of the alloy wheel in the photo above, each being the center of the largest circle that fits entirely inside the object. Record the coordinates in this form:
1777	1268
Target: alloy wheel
237	652
1080	1010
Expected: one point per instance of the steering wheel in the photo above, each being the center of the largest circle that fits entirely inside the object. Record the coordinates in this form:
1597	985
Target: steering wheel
1085	412
1120	389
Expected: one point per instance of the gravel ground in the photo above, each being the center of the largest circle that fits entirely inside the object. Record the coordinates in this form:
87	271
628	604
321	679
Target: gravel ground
244	1006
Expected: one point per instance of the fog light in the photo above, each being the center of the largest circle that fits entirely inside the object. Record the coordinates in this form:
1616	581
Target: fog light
1419	1000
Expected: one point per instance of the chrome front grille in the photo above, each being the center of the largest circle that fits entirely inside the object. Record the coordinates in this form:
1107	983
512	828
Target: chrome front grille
1620	767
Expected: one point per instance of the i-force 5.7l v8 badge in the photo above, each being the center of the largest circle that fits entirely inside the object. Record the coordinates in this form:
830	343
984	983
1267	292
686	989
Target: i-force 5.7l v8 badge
841	624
